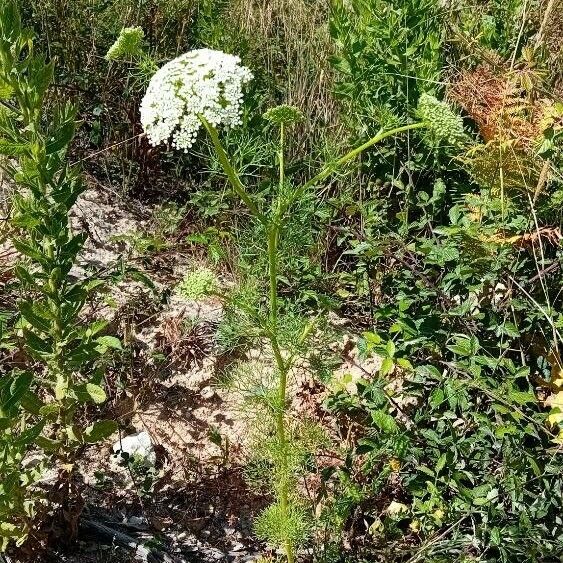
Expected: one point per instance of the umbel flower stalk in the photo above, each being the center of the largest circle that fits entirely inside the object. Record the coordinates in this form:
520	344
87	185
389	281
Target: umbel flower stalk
203	89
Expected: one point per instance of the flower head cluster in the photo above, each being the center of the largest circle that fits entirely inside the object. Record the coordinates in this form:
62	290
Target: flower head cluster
444	125
201	83
128	44
284	115
198	283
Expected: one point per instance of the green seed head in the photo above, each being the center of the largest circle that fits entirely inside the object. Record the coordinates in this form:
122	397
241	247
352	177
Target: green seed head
284	115
444	125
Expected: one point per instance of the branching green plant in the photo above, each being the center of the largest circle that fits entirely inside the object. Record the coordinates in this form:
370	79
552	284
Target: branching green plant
35	143
283	522
287	516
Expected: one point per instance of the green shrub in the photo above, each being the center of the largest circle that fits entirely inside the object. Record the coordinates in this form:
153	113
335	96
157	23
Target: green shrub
51	299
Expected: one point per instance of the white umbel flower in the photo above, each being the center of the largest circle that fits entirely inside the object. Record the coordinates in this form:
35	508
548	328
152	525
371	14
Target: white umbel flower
203	83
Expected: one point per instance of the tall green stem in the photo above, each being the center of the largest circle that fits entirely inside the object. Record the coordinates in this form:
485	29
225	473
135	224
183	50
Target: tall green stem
283	367
333	166
56	364
231	172
281	157
273	238
273	227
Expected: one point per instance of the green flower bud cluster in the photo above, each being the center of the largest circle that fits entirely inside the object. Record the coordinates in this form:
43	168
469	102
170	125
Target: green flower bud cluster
284	115
129	44
197	284
444	125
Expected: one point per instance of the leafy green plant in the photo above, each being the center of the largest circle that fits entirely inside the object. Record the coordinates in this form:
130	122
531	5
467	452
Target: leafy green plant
52	299
388	54
284	521
17	501
502	27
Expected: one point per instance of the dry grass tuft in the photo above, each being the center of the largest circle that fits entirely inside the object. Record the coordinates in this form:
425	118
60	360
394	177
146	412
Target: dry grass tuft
296	48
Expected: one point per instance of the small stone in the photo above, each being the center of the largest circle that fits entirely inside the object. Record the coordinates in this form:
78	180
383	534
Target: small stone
138	445
238	547
207	393
214	554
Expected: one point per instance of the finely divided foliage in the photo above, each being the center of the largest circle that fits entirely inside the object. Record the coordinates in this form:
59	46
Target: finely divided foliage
390	325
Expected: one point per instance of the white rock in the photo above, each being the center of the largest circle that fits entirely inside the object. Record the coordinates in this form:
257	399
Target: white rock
138	445
207	393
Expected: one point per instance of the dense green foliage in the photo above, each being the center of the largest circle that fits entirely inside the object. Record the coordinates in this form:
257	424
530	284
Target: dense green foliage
49	327
439	246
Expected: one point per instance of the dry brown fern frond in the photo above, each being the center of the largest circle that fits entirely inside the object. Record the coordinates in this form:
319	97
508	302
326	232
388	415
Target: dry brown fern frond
501	106
502	100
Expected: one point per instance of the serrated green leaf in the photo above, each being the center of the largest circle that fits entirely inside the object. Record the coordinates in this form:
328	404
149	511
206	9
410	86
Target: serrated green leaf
11	149
387	366
441	463
429	371
28	250
15	391
24	275
31	403
36	343
30	435
522	397
63	137
47	444
50	410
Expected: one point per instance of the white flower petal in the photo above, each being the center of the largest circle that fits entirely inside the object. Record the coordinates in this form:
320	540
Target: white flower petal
199	83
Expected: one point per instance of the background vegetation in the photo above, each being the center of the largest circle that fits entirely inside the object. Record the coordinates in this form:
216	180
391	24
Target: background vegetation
439	254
